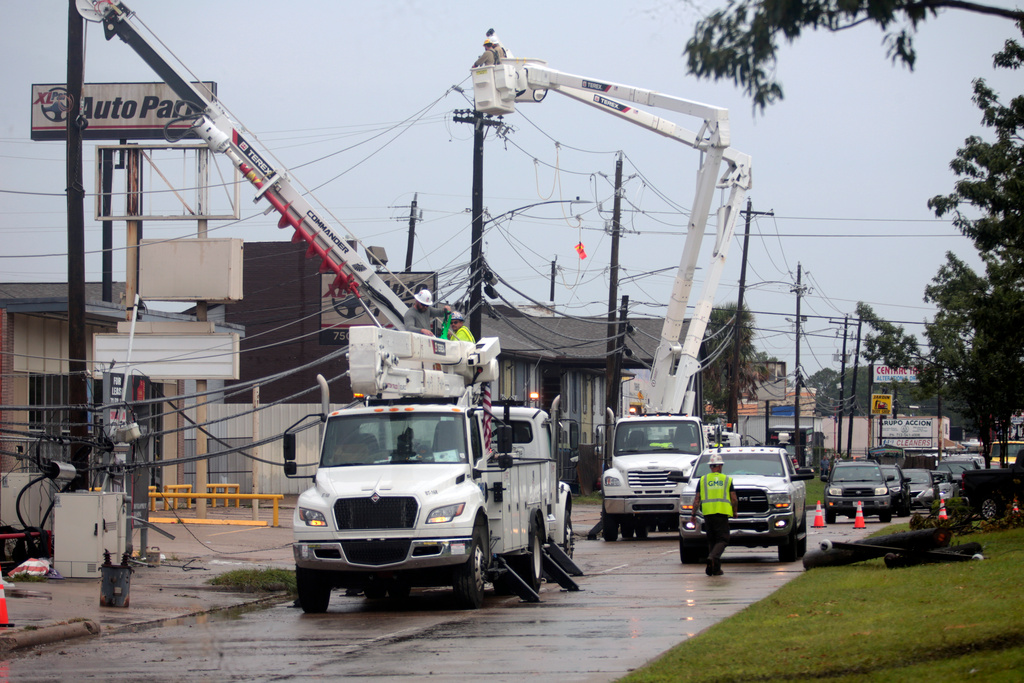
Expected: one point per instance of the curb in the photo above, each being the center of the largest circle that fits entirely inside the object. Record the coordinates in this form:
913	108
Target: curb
47	634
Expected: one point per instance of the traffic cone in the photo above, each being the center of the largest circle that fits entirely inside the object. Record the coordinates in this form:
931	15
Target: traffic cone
3	608
858	522
942	510
819	518
1015	508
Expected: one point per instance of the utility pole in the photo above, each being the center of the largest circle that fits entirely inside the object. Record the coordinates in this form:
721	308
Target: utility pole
842	386
801	458
480	122
412	233
77	379
734	379
853	395
612	366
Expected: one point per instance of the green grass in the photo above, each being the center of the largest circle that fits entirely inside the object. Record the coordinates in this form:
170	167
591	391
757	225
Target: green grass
863	621
257	580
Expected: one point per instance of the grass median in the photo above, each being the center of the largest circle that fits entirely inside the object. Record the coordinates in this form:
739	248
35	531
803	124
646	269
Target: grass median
933	622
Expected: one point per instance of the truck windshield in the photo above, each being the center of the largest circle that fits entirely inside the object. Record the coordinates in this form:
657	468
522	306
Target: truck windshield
405	438
866	472
648	437
740	464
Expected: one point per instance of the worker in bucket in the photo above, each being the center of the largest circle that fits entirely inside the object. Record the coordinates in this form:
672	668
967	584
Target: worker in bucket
494	51
717	501
458	330
419	317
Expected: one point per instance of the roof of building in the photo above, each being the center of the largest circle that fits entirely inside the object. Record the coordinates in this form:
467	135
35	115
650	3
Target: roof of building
567	339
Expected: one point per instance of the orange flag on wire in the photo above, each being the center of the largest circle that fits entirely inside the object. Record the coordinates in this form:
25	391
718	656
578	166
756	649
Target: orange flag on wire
580	251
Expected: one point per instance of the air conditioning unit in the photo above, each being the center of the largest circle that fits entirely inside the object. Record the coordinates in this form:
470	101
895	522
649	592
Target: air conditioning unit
34	501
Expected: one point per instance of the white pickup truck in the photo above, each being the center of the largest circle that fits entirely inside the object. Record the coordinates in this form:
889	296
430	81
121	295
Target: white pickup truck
772	498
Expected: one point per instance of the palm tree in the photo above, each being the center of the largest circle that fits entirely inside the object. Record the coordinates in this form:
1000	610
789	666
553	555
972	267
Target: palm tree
717	372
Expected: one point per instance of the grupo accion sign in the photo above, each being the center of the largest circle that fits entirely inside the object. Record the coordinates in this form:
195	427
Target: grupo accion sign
112	111
884	374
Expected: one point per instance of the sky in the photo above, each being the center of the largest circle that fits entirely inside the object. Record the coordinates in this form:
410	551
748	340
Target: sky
357	101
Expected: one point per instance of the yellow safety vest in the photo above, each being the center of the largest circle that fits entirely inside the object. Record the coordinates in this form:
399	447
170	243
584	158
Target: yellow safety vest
714	494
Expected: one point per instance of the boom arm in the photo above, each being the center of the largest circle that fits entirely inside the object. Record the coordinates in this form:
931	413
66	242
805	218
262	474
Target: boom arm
353	275
497	88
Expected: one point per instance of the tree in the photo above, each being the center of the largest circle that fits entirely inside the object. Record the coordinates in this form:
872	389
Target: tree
740	42
752	369
975	351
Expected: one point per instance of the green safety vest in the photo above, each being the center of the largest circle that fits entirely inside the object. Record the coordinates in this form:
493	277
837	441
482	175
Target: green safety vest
714	494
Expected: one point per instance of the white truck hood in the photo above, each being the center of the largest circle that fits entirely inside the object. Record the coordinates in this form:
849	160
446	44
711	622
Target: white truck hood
419	480
654	461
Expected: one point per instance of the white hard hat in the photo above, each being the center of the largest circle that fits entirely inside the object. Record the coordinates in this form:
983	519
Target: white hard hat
492	39
424	297
715	459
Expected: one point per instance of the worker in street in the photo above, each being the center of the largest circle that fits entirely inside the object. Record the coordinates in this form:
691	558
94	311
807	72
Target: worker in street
419	317
717	501
458	330
494	51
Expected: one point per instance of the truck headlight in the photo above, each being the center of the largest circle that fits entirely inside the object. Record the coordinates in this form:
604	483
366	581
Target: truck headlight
312	517
881	490
445	514
834	491
611	480
780	501
686	504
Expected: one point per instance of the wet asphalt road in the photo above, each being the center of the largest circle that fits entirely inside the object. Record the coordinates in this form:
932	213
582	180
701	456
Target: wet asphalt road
636	602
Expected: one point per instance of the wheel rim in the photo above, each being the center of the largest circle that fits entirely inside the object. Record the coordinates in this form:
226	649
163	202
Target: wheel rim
988	508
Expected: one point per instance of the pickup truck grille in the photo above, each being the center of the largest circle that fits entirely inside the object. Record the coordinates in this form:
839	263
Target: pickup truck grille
645	479
376	553
386	513
752	501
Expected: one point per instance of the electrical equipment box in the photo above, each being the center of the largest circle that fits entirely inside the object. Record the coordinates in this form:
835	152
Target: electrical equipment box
84	526
34	501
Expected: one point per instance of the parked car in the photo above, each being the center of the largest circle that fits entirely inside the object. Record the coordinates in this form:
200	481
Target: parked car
956	468
857	481
923	488
899	489
949	487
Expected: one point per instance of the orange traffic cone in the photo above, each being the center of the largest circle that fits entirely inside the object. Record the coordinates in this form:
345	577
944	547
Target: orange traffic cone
3	608
1015	508
942	510
858	522
819	518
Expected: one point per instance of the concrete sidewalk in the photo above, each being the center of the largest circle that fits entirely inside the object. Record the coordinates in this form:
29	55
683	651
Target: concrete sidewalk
177	586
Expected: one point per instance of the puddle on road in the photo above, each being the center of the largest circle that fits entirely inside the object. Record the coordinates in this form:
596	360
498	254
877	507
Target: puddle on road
212	617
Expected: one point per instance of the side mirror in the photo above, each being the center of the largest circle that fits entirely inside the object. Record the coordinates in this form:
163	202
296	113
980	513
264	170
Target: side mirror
288	446
890	477
505	461
504	438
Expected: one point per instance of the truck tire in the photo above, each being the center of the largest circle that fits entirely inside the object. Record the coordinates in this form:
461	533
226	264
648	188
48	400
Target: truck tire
314	588
530	566
885	517
609	527
641	529
468	582
691	553
830	517
788	549
568	540
991	507
626	527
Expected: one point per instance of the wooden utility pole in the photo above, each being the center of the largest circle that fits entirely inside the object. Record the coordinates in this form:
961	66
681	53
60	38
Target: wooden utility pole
480	122
734	379
78	380
412	234
800	457
612	365
853	395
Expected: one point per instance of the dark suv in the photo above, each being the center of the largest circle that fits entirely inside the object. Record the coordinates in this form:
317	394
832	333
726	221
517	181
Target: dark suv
853	482
899	489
